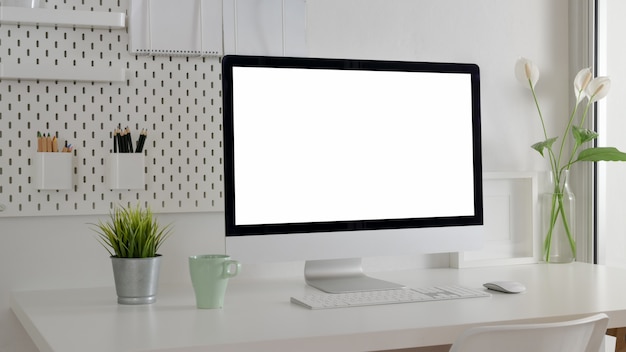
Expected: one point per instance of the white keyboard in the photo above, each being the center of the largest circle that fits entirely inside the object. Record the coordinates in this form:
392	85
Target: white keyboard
322	300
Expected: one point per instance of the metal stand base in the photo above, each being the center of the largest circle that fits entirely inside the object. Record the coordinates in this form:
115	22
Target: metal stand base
342	276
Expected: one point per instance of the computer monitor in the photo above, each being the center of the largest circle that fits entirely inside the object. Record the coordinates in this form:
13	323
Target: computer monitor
332	160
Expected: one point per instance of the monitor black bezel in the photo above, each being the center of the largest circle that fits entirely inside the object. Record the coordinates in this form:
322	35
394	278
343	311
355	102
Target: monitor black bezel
230	61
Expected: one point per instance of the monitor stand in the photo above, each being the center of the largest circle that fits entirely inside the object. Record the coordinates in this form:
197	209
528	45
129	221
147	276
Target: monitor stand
342	276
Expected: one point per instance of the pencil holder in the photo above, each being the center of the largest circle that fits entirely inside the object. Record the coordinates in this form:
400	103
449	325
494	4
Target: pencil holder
126	171
53	171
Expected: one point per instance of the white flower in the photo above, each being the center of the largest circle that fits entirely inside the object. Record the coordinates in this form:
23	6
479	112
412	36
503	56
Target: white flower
581	82
526	72
598	88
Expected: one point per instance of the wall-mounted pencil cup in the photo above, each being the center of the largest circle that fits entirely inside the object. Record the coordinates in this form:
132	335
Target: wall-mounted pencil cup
126	171
53	171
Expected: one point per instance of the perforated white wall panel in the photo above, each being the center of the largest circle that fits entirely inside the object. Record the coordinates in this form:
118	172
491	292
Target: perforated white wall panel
177	99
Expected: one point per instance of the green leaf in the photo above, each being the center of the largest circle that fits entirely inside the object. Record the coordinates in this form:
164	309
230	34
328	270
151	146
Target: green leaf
601	154
582	135
131	232
541	146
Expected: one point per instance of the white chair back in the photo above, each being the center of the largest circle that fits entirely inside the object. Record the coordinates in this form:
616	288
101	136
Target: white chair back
581	335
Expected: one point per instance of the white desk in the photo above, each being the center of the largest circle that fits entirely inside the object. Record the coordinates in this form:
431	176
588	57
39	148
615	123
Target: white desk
259	317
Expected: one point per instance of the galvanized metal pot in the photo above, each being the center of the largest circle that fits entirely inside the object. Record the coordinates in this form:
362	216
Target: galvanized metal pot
136	279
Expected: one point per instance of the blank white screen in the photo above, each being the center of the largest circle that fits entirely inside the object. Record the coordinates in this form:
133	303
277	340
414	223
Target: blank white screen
333	145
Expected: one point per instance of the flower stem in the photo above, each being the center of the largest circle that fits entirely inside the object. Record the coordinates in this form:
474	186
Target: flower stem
553	160
576	144
568	231
558	209
566	133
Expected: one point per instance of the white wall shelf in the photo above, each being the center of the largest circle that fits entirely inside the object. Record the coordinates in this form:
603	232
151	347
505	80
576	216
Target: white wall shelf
62	18
61	73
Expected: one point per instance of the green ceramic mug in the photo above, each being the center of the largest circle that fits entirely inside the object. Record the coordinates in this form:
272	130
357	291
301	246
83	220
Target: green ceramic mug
209	276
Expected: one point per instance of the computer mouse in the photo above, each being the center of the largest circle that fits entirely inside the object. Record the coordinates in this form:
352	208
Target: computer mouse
505	286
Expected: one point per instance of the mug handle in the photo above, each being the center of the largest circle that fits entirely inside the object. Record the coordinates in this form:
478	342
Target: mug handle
229	265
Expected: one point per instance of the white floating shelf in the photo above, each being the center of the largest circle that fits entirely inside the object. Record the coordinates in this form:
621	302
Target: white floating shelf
62	18
56	73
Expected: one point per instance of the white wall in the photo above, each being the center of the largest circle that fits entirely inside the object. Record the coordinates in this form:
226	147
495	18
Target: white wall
60	252
491	33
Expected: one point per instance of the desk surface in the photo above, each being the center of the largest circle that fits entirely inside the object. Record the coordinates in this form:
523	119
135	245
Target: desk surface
258	315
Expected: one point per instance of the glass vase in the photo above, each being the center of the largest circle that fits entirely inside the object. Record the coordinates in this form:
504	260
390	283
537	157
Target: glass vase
558	207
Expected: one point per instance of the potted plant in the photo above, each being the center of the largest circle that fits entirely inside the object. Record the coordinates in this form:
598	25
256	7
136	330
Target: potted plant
132	236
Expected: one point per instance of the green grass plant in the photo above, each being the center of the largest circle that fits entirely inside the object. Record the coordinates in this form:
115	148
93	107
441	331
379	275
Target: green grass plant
132	232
